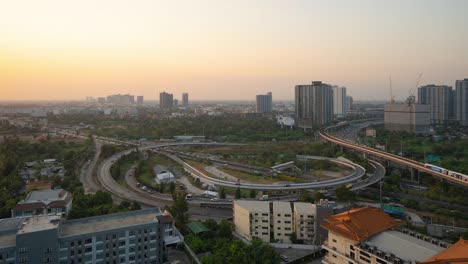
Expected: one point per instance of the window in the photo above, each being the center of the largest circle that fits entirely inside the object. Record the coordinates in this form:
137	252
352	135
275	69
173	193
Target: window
47	250
88	241
264	214
22	250
334	240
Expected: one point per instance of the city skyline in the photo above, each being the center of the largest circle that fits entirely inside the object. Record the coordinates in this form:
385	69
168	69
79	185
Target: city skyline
55	50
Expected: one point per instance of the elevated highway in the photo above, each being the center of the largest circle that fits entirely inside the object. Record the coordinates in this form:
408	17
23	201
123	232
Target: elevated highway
387	156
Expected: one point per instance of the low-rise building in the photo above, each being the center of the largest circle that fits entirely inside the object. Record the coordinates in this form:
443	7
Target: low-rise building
163	175
44	202
129	237
277	221
368	235
252	219
282	222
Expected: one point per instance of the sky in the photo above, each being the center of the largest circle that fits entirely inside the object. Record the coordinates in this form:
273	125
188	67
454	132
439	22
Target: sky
228	50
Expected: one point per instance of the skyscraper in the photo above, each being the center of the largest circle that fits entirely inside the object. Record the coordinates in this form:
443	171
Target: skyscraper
461	99
314	104
166	100
185	101
339	101
264	103
140	100
438	97
349	102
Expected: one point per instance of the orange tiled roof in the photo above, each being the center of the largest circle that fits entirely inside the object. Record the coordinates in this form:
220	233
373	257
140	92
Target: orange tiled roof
456	253
360	224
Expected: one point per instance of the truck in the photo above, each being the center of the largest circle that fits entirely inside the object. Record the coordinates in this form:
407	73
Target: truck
264	197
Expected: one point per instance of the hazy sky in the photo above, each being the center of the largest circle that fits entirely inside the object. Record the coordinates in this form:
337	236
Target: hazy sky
63	49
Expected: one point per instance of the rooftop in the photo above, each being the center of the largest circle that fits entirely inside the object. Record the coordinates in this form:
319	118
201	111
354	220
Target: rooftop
263	206
7	240
10	224
404	246
284	207
39	223
458	252
46	195
304	207
360	224
109	222
197	227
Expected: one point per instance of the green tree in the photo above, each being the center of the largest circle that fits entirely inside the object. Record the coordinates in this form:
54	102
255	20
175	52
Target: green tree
318	195
225	229
172	187
305	197
179	210
293	237
237	195
222	193
252	193
345	194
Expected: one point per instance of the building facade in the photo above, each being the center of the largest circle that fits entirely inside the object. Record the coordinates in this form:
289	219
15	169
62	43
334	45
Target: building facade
369	236
185	99
314	104
264	103
340	102
166	100
252	219
44	202
277	221
461	101
412	118
438	97
349	102
130	237
282	222
140	100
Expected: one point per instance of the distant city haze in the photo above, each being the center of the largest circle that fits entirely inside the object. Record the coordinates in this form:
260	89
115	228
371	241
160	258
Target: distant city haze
228	50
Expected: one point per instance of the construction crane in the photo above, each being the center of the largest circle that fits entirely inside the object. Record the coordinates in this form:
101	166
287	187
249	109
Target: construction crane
412	98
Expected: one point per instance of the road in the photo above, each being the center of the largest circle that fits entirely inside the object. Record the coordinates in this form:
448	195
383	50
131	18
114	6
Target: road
111	186
387	156
355	176
90	183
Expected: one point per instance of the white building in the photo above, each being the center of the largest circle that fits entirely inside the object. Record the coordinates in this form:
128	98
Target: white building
252	219
340	102
282	222
44	202
162	175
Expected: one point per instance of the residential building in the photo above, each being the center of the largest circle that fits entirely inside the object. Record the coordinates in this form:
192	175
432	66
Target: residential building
185	99
307	220
265	103
371	132
166	100
252	219
129	237
368	235
349	102
409	117
282	222
278	220
163	175
121	99
461	101
340	102
140	100
314	104
44	202
101	100
438	98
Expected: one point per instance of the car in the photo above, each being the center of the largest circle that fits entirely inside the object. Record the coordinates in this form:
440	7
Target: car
214	199
284	258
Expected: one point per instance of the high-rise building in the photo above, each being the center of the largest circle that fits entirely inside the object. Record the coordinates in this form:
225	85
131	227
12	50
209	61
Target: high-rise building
121	99
339	101
314	104
349	102
166	100
412	118
461	99
129	237
185	100
438	98
140	100
265	103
